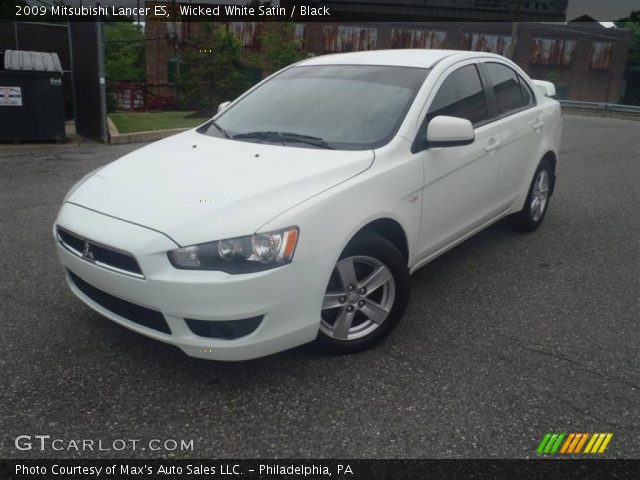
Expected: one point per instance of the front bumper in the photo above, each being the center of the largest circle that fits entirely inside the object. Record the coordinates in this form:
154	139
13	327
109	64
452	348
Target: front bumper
288	297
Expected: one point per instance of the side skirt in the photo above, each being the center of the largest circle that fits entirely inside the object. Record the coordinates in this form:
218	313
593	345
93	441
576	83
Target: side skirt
458	241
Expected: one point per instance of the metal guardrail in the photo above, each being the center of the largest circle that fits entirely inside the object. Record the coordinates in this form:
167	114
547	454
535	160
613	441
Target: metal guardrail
601	107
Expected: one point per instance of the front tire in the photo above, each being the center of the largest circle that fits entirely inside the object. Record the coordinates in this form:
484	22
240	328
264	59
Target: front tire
366	296
535	207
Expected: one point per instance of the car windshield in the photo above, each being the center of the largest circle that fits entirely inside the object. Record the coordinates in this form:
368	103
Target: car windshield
347	107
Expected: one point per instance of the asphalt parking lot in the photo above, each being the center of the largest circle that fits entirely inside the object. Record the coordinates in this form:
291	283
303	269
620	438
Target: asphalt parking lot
507	337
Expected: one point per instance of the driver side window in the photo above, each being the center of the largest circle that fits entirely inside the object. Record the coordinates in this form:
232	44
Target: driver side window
460	95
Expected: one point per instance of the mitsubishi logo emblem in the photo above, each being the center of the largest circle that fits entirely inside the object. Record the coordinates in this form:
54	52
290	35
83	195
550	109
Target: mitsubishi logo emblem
86	251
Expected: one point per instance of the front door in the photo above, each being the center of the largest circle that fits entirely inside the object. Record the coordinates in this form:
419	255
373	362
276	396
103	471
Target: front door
462	188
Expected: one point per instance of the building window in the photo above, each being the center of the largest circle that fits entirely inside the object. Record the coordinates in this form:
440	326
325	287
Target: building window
298	35
339	38
482	42
173	69
553	52
246	32
405	38
602	56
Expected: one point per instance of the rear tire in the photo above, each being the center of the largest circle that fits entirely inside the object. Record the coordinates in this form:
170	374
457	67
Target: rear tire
535	206
366	296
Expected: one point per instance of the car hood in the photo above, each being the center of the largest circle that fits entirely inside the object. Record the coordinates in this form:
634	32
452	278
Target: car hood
197	188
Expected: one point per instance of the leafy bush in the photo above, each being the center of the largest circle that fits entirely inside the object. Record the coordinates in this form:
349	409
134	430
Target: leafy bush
124	52
212	70
279	48
632	73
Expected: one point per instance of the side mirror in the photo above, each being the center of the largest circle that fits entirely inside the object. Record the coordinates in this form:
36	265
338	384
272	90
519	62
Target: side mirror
444	131
548	89
222	106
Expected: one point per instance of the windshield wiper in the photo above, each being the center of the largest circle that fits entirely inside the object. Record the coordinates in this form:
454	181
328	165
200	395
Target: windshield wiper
222	130
204	128
285	137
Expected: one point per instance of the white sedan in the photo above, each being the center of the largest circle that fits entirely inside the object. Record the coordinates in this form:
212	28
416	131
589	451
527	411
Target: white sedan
299	211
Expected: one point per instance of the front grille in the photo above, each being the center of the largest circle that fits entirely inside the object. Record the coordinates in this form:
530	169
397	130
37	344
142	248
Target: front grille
71	240
226	329
99	254
136	313
116	259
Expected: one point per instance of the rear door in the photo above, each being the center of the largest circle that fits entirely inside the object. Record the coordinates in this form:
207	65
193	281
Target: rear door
515	124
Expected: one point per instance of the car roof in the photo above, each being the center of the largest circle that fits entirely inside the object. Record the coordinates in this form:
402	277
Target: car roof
421	58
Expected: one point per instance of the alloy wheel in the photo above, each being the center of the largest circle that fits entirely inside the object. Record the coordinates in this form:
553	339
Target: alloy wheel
358	299
539	195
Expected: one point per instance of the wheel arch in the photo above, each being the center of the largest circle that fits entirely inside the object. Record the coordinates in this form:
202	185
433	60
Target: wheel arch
390	230
546	153
551	156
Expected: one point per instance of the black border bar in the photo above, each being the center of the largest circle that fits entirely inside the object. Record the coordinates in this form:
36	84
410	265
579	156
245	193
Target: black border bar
123	469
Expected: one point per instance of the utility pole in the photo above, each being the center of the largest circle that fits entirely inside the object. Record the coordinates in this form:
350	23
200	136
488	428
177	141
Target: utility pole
176	48
71	70
102	84
514	29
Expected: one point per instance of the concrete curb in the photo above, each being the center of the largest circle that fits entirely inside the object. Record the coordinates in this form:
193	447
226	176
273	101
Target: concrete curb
113	130
120	138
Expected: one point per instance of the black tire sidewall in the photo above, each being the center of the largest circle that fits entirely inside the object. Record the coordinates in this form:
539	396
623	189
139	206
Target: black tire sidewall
373	245
524	219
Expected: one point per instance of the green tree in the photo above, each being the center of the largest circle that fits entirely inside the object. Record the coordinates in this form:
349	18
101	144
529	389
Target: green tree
632	71
124	52
279	47
212	69
123	56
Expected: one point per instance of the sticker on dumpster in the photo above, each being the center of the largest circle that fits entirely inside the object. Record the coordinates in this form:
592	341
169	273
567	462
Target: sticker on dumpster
10	96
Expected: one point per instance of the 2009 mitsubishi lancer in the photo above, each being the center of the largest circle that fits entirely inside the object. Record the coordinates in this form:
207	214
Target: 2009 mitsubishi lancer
299	211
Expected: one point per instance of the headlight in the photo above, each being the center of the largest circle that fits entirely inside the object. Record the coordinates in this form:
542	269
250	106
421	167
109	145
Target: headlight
252	253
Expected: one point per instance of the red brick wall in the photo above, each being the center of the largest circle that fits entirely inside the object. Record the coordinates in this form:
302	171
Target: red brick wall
157	54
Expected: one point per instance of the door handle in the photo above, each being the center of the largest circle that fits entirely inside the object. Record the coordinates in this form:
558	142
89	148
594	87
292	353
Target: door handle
493	146
538	125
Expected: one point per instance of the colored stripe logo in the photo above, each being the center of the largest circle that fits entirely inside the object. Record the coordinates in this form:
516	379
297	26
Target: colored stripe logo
573	443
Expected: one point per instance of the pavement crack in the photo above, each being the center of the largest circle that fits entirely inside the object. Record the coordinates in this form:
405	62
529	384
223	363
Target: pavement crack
579	365
607	376
585	413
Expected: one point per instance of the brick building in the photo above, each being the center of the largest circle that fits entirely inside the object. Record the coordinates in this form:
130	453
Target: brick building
585	61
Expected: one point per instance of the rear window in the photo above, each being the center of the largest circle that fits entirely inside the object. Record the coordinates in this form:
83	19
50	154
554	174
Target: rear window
529	97
509	94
